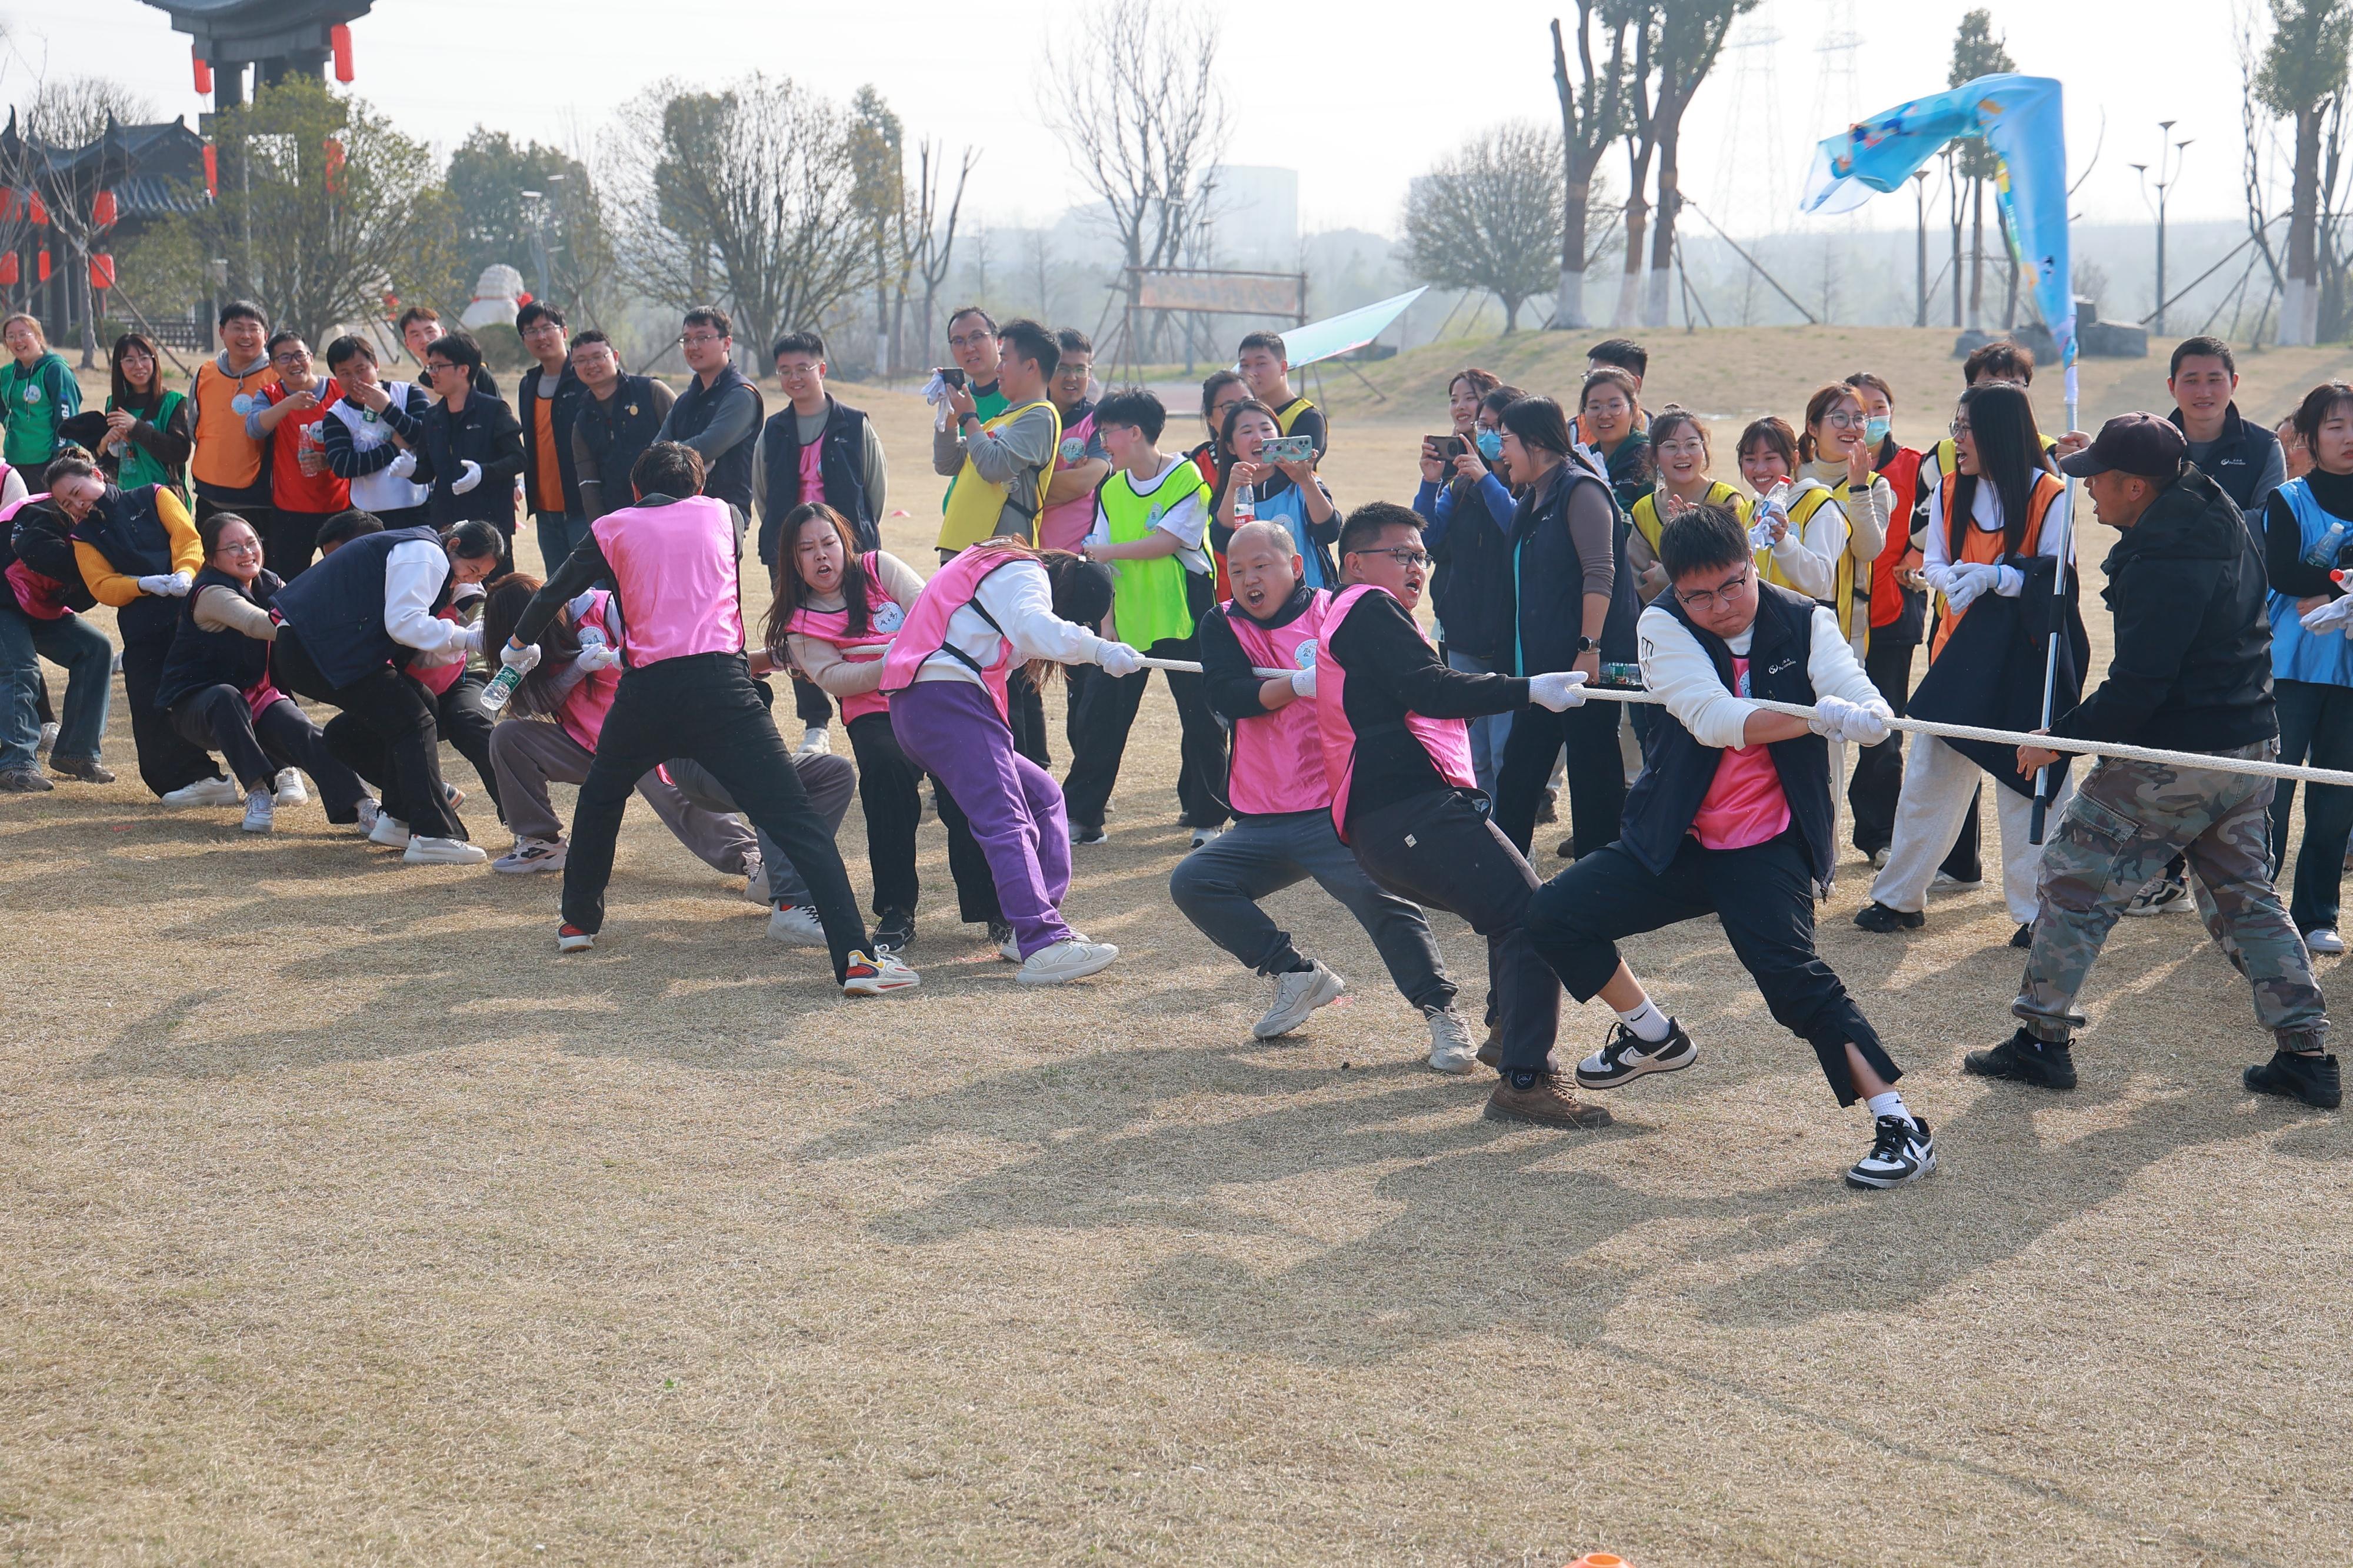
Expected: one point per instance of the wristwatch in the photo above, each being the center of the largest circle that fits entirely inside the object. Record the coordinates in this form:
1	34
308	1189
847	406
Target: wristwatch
1587	645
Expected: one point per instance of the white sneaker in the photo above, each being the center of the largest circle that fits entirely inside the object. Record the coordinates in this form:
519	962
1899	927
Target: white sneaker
424	851
877	975
388	831
1296	995
1450	1048
755	880
369	809
1072	958
290	788
816	742
48	740
207	792
259	807
2323	940
1207	836
795	925
1010	949
1946	883
531	855
1879	859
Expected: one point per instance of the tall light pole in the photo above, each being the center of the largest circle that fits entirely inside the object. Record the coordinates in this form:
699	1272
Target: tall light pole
1920	199
2169	173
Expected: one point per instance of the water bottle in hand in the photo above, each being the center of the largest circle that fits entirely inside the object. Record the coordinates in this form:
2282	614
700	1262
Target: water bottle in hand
1771	507
1245	505
2323	554
500	687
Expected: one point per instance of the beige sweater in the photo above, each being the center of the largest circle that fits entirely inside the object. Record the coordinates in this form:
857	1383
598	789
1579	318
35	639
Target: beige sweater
220	609
822	662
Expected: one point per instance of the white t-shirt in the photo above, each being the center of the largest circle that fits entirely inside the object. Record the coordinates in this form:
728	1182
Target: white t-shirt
1189	520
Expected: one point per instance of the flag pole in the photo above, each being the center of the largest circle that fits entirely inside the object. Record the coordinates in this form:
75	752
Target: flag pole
2042	776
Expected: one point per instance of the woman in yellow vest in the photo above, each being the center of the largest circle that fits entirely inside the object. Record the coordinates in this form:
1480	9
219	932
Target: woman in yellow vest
1679	443
1809	545
1835	452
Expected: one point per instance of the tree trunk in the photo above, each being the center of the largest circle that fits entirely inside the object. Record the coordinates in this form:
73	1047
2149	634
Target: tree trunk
1662	230
1511	313
1977	254
1637	225
2300	298
1568	305
1959	207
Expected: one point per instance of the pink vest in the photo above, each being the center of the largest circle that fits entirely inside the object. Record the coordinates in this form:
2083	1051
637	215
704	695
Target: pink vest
812	478
438	679
1278	760
1064	525
1447	741
674	566
951	588
35	594
833	627
582	710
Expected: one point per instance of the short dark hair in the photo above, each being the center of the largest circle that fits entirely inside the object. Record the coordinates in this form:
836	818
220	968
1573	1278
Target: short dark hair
2318	404
1875	382
1624	352
959	313
1503	397
1369	521
808	343
208	530
1704	538
1032	343
594	335
1615	376
1538	421
348	524
347	348
1071	341
456	348
1272	341
416	313
667	469
1136	407
2000	360
711	316
535	311
1770	431
242	310
2201	348
283	335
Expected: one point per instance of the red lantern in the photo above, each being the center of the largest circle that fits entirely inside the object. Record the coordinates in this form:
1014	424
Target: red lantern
339	38
101	269
8	205
40	213
41	267
8	270
204	74
103	211
334	150
212	171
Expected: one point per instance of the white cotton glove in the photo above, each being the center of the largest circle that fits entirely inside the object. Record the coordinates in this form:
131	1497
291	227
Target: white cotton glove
596	657
160	585
1867	724
1118	659
935	390
403	465
468	478
2332	617
1557	690
1303	682
1966	584
521	660
181	582
465	593
1831	715
2009	581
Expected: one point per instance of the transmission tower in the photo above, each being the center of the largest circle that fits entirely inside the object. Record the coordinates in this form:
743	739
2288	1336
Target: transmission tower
1751	168
1838	103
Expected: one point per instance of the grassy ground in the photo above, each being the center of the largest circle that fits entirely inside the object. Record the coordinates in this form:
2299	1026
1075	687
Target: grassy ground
341	1221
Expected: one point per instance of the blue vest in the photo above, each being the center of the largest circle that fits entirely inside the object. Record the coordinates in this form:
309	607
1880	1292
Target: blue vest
199	659
727	476
2323	659
337	606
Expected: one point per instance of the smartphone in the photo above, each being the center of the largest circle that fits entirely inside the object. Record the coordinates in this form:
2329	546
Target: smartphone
1287	449
950	375
1448	447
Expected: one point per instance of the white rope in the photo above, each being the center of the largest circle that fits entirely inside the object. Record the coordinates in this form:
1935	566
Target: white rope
2200	761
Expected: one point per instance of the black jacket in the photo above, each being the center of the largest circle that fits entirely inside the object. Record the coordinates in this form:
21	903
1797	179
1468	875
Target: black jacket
1548	579
565	407
2239	458
484	432
1992	668
1391	671
2192	671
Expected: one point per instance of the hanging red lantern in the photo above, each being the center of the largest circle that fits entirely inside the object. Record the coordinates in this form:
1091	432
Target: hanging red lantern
338	39
334	151
40	213
9	272
212	171
204	74
101	269
103	211
8	205
41	266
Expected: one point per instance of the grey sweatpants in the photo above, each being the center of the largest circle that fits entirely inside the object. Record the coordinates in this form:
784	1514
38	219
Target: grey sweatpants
531	753
829	781
1219	885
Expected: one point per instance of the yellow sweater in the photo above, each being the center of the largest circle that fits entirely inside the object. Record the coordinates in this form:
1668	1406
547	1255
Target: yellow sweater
109	586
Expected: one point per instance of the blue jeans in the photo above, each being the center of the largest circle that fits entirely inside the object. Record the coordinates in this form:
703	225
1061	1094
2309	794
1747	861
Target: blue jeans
1487	735
558	536
74	646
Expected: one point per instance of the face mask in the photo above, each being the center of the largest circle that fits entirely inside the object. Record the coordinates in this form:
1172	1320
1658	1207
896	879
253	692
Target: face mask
1490	444
1875	430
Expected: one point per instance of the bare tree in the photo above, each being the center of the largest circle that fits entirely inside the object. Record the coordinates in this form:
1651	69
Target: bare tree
877	144
2302	78
1640	136
1691	38
1592	113
73	113
1143	119
750	195
927	236
1489	217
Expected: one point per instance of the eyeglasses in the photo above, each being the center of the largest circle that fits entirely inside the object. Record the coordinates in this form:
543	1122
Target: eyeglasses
1843	421
1721	596
701	340
969	339
295	356
1960	428
239	547
1402	557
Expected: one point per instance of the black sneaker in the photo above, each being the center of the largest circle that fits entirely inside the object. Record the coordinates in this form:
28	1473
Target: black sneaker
2164	896
894	932
1627	1056
2312	1079
1095	835
1901	1151
2023	937
2026	1060
1876	916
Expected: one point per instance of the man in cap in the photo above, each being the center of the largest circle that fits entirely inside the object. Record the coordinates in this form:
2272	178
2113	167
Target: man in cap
2191	673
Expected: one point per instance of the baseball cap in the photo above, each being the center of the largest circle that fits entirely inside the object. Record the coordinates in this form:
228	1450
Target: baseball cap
2139	444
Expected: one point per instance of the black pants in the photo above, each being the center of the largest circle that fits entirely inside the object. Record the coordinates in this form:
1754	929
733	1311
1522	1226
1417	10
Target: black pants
257	748
291	540
1878	779
1764	897
890	792
459	714
166	760
386	730
2315	722
1439	850
812	706
1596	773
1026	717
1106	712
704	706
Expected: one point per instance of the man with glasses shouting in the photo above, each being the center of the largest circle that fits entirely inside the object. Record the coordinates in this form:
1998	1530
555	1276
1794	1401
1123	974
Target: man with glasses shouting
1397	757
1732	816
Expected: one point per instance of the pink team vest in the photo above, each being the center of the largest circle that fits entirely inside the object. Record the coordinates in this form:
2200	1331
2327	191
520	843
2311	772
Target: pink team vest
582	712
1278	764
675	568
883	618
951	588
812	478
1447	741
1065	524
438	679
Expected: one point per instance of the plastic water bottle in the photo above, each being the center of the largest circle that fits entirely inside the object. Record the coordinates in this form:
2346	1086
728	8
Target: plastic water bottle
500	687
1773	503
1246	506
2323	554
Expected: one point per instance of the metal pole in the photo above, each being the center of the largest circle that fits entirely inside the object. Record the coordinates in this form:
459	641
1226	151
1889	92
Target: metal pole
1920	200
2042	780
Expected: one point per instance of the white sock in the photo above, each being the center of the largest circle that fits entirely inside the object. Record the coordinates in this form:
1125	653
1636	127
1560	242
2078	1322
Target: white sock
1888	1104
1650	1025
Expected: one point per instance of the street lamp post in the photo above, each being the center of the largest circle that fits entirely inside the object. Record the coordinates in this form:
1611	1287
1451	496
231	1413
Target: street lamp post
2168	173
1920	198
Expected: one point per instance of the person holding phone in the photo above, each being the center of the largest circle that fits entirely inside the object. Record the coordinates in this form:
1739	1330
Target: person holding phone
1290	493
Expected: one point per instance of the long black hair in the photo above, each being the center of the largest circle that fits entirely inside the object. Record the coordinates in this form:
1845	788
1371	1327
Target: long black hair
502	606
788	592
122	395
2009	457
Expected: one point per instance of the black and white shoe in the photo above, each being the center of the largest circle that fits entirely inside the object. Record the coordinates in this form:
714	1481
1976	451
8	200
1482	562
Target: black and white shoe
1628	1056
2167	895
1901	1151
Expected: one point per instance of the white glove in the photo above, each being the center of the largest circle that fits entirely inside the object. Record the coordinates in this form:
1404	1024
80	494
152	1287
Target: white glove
935	390
467	593
470	641
2009	581
1303	682
521	660
596	657
1831	716
160	585
1117	658
468	478
1865	723
2332	617
403	465
1557	690
1965	583
181	582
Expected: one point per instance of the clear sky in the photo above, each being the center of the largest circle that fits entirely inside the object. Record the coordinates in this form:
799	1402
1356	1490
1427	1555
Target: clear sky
1357	97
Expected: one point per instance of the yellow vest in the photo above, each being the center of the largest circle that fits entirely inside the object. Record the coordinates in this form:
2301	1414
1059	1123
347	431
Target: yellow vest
1289	413
974	505
1851	591
1646	511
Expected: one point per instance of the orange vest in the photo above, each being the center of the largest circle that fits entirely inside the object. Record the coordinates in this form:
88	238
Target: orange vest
1982	547
226	456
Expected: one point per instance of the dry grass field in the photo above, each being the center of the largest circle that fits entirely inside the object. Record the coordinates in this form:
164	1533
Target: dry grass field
340	1221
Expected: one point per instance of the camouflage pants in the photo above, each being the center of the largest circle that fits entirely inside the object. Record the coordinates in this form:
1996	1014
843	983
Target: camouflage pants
2126	820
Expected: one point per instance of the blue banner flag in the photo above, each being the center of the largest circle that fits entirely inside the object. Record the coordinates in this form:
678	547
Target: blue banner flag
1343	333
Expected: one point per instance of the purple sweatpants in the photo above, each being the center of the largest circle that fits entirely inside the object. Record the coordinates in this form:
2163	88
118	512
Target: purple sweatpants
951	729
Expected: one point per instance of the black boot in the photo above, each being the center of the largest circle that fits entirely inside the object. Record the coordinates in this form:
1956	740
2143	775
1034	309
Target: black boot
2028	1060
2312	1079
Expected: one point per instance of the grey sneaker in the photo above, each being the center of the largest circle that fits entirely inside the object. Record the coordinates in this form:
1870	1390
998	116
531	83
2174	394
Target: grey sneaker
261	809
1297	994
1451	1050
24	781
